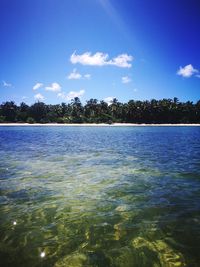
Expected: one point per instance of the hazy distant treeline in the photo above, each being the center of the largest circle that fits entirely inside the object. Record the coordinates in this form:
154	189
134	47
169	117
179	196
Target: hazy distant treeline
94	111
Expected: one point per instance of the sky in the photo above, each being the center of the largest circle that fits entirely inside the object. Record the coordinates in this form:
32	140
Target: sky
55	50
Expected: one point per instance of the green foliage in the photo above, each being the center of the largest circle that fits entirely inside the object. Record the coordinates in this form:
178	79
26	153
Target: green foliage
9	111
135	111
30	120
38	111
2	119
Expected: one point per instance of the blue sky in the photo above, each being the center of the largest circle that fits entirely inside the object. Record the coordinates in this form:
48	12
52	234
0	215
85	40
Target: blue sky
53	50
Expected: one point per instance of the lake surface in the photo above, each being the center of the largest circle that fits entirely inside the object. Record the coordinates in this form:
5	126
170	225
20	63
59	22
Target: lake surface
99	196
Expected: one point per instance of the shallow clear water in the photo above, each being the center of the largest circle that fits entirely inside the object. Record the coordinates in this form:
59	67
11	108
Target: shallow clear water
100	196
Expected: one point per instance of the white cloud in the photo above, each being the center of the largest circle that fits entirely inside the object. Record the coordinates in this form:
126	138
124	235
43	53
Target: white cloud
101	59
87	76
122	61
71	95
187	71
109	99
5	84
74	75
55	87
126	79
97	59
24	97
77	76
61	95
37	86
39	97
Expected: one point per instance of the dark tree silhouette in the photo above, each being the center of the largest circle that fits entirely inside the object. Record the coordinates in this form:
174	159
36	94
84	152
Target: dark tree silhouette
135	111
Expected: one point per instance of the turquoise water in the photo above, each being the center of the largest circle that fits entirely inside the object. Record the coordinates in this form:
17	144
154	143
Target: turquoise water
99	196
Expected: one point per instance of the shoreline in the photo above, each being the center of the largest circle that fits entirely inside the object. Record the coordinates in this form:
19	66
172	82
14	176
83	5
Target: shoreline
97	125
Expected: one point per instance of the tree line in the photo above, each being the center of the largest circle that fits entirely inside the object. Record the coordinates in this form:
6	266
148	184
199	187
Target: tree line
94	111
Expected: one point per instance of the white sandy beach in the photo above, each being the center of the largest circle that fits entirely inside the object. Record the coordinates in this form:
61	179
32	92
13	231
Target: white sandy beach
95	124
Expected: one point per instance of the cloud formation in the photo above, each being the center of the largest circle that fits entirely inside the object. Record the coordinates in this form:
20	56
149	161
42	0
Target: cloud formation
109	99
187	71
126	79
101	59
77	76
55	87
37	86
74	75
87	76
39	97
5	84
71	94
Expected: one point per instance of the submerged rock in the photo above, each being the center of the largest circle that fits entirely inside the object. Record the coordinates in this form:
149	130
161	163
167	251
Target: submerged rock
122	208
73	260
167	256
119	231
129	257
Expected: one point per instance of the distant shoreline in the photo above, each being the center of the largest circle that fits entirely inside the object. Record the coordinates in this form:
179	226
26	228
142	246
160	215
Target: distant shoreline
97	125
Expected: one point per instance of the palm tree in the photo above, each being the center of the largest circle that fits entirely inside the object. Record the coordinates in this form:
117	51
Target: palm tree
9	111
